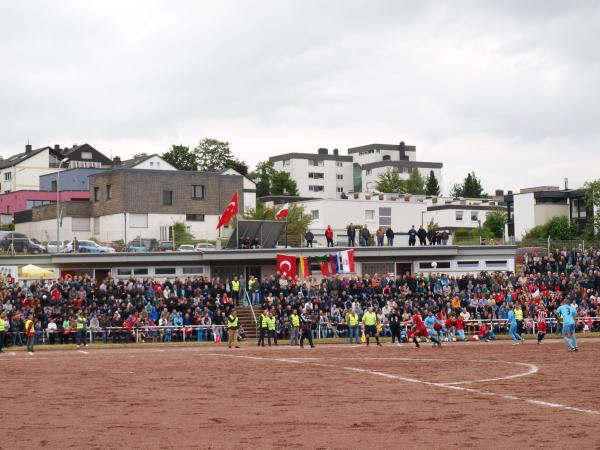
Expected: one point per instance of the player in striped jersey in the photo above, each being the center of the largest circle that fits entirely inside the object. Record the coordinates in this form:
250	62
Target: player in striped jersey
540	317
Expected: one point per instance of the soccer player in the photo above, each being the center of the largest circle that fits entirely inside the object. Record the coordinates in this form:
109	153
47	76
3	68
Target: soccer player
460	327
540	317
512	322
419	329
431	322
568	314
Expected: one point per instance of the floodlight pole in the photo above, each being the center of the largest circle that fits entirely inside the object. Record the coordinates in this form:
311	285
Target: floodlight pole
62	161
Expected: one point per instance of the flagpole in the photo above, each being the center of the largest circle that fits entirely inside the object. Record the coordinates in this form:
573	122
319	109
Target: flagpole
286	224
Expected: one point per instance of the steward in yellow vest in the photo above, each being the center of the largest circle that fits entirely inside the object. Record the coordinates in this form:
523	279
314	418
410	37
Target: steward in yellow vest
294	328
232	328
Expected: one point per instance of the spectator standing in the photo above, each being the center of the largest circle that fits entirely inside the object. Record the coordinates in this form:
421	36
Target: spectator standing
263	330
380	234
329	236
389	234
306	322
365	235
235	290
353	325
294	327
422	234
445	236
431	237
81	324
232	328
272	327
30	333
394	320
412	237
351	232
309	236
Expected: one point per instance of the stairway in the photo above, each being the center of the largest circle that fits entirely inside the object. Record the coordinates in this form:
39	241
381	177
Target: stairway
247	321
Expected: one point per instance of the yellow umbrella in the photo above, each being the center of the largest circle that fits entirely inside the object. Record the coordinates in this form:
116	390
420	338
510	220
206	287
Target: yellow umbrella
31	271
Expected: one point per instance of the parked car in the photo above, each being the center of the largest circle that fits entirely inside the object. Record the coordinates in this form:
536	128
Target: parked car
141	245
204	246
56	246
88	247
116	247
9	241
166	246
186	248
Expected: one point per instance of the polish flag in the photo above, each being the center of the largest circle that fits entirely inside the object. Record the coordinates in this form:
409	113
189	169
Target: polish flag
283	212
230	211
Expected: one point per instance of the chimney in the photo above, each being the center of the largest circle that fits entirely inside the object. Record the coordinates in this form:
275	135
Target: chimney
323	151
336	152
28	148
499	192
401	144
57	147
116	161
566	184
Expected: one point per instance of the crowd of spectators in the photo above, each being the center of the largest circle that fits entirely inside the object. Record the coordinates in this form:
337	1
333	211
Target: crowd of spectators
116	309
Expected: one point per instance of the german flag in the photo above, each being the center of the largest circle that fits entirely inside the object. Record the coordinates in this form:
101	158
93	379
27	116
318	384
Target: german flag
304	267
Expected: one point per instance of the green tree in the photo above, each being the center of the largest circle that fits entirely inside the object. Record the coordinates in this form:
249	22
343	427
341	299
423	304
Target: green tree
262	175
494	222
181	235
212	154
282	183
181	157
140	155
239	166
470	188
433	225
432	187
592	201
390	182
558	228
298	222
415	184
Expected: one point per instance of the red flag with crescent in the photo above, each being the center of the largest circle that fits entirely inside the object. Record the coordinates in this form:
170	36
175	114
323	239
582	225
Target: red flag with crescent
286	266
230	211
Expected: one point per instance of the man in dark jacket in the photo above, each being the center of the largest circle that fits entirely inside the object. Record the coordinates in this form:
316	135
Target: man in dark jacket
412	236
389	234
351	232
422	234
365	235
309	238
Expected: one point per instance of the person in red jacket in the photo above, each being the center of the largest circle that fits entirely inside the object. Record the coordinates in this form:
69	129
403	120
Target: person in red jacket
329	236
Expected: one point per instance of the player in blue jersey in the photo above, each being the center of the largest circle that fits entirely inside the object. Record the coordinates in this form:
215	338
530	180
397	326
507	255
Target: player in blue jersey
568	313
512	327
430	322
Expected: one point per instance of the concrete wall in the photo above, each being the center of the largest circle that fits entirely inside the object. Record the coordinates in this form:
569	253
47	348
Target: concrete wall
546	211
299	170
524	214
446	218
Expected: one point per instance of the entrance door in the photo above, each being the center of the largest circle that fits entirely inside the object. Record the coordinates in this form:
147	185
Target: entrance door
403	268
253	271
101	274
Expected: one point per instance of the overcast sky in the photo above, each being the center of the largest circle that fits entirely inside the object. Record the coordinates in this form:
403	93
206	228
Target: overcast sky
509	89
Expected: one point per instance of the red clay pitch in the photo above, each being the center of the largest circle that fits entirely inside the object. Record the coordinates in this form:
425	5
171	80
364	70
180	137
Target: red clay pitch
333	396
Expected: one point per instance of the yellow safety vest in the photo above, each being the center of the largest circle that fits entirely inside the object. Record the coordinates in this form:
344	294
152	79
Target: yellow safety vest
232	322
271	323
235	285
29	329
81	323
353	319
1	324
518	314
263	321
370	319
295	320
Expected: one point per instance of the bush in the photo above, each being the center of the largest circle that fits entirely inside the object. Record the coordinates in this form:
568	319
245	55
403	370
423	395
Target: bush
558	228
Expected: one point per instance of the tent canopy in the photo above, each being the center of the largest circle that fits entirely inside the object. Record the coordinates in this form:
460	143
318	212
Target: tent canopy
267	232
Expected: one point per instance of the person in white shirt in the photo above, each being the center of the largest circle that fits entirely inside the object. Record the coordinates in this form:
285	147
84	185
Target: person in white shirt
51	330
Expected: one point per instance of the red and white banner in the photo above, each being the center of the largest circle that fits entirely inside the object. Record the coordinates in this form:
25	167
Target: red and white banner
286	266
283	212
346	261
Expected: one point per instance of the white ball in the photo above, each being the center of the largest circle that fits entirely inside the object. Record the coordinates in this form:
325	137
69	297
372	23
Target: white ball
434	264
475	338
446	339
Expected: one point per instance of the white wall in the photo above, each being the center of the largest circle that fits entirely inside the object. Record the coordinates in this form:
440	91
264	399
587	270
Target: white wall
155	163
524	213
45	230
299	170
26	174
249	197
546	211
446	218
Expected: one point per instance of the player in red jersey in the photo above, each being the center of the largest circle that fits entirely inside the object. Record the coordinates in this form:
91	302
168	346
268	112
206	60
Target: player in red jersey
540	316
419	329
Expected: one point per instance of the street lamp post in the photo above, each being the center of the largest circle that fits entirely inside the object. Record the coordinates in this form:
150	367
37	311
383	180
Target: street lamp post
62	161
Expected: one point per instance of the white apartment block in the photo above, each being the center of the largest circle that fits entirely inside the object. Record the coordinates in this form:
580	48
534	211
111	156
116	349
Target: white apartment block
22	171
320	175
376	159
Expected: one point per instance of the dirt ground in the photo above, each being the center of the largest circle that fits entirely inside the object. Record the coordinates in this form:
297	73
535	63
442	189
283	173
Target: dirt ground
465	395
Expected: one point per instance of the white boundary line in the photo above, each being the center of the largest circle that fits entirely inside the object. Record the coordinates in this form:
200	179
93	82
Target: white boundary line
426	383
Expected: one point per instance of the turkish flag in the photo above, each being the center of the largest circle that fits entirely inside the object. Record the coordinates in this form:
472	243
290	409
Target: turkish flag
230	211
286	266
283	212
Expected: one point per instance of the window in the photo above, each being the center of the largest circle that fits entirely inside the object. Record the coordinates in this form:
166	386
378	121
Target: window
138	220
34	203
96	225
339	164
165	233
316	176
339	176
108	191
140	271
315	163
340	189
368	172
193	270
386	157
468	264
194	217
286	163
370	214
86	155
96	194
385	217
167	198
164	271
123	272
459	216
53	186
7	176
501	264
314	214
197	191
474	216
440	265
313	188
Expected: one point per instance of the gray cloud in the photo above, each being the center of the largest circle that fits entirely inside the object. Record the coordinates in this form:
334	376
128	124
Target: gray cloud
507	89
